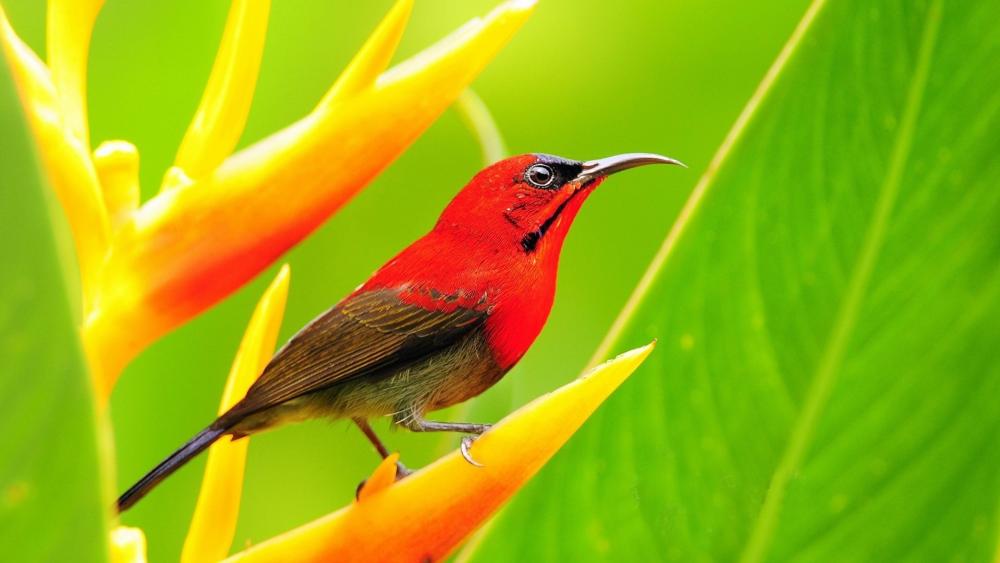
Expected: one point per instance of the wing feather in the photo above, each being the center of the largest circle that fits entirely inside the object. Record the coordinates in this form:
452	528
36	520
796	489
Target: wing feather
367	333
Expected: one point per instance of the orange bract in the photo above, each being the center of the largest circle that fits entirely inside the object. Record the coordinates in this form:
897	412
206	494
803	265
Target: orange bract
383	476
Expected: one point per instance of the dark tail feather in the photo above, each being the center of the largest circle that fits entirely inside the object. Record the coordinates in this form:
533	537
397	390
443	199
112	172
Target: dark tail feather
193	447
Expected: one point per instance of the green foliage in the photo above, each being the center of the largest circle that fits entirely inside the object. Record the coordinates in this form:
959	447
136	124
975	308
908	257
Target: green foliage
826	384
52	506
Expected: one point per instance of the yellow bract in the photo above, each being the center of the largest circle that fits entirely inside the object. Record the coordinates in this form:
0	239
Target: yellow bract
56	124
70	23
222	114
219	219
214	522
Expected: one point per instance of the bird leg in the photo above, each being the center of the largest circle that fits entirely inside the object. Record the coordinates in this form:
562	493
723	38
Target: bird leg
401	470
417	423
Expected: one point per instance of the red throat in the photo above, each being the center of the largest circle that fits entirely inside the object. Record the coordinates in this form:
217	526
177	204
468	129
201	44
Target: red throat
496	245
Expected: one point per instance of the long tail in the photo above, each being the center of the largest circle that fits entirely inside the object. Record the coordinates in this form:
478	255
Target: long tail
193	447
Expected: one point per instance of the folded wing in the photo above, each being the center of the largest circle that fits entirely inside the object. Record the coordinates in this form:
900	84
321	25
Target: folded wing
364	334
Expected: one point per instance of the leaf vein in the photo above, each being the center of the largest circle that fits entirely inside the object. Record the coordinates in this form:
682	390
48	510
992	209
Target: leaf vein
826	371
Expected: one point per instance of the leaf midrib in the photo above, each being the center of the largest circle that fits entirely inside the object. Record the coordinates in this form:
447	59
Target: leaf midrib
827	369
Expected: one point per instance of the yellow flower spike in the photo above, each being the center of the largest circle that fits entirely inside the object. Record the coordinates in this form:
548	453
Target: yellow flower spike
69	25
65	157
190	246
373	58
222	113
214	522
117	165
426	515
383	476
128	545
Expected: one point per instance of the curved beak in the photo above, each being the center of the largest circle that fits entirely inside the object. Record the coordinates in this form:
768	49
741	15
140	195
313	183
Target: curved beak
606	166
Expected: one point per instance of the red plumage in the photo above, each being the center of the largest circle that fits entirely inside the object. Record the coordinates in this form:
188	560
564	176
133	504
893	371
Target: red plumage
475	250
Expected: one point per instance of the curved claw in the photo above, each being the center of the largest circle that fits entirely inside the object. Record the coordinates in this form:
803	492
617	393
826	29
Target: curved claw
466	442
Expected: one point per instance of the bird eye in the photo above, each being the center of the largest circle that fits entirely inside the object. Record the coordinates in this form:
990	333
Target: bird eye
540	176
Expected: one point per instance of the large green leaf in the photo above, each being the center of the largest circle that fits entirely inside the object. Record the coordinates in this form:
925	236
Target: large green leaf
51	502
827	386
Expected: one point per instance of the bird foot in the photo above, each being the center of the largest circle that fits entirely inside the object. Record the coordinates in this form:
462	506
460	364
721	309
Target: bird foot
466	443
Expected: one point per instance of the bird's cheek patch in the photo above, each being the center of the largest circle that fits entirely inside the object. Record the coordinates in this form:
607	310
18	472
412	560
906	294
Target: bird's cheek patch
528	208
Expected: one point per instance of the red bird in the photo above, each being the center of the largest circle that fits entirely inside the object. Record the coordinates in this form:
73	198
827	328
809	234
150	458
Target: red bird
438	324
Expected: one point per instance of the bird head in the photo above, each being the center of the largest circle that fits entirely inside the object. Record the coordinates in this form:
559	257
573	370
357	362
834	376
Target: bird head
529	201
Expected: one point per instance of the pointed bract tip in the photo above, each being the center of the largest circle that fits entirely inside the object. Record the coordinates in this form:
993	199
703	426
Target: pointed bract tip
383	476
373	57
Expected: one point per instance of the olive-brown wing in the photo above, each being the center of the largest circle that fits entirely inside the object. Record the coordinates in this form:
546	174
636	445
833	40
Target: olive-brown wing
364	334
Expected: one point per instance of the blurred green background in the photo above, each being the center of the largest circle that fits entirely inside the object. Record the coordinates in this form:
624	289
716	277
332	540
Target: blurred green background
582	79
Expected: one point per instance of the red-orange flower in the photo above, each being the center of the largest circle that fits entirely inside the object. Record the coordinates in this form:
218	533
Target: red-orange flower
220	219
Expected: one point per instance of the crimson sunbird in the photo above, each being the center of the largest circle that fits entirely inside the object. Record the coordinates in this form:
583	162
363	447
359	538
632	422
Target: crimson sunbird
438	324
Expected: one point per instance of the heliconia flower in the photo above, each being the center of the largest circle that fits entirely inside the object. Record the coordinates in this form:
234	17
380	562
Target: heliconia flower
220	219
214	522
426	515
